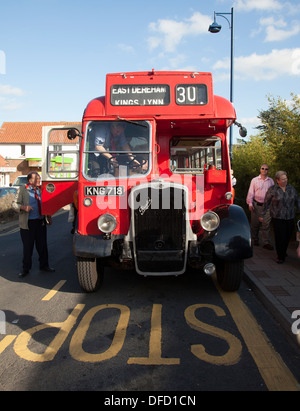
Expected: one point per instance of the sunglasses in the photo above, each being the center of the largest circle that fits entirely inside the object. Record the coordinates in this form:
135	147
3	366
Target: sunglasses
264	169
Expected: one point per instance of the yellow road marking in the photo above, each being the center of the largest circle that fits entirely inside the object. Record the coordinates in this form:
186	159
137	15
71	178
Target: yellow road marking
54	290
76	344
6	341
155	354
273	370
234	352
22	344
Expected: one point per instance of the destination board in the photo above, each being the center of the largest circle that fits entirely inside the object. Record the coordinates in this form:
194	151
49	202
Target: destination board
140	95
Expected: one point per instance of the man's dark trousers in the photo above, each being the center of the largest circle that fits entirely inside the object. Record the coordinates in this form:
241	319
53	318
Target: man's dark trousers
37	234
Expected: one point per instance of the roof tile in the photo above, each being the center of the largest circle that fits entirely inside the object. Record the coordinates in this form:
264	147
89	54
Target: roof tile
26	132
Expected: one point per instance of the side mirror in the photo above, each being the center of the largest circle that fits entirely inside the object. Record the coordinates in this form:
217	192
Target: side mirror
73	133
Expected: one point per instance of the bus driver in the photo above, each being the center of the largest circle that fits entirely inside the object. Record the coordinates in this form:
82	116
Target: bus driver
108	141
107	138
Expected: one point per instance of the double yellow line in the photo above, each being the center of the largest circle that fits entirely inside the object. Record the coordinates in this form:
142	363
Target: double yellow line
273	370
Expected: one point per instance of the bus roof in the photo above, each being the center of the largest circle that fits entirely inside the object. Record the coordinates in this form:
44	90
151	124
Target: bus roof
166	94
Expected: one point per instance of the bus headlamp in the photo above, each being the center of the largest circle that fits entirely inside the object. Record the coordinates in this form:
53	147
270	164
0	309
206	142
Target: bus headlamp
210	221
107	223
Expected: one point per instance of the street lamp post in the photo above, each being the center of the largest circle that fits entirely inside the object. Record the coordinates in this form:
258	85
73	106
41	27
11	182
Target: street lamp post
215	28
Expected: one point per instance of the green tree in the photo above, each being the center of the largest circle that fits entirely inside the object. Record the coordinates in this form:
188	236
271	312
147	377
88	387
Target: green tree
280	129
247	159
278	145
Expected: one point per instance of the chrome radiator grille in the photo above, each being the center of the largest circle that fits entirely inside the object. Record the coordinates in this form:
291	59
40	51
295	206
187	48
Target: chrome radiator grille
160	229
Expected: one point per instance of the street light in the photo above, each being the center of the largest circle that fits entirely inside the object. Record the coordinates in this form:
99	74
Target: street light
215	28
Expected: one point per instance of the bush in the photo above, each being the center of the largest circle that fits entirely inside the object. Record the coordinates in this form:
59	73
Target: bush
7	213
278	145
246	162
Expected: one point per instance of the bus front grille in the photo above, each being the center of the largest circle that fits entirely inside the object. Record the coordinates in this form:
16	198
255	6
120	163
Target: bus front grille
160	230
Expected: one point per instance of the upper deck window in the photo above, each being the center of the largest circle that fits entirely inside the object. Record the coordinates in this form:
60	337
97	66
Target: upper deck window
116	149
191	154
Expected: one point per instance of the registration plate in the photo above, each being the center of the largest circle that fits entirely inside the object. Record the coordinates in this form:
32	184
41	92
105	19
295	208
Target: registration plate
104	191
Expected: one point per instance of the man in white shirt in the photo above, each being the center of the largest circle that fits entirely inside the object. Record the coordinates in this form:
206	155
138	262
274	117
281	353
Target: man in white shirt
255	199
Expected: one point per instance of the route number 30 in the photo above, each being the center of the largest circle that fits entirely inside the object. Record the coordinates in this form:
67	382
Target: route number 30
191	94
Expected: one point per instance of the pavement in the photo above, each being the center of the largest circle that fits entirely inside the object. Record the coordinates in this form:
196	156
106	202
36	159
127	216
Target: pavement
277	286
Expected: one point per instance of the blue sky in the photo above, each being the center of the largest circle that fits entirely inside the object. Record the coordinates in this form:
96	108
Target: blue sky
55	54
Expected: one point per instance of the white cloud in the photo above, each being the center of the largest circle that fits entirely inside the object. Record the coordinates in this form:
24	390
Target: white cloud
249	5
250	121
9	90
178	60
126	48
265	66
153	42
274	34
11	105
276	29
169	33
9	96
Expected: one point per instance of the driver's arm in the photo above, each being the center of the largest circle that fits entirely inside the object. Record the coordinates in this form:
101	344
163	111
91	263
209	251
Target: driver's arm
127	148
103	151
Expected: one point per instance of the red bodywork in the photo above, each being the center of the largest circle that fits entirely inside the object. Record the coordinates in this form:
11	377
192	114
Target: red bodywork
167	122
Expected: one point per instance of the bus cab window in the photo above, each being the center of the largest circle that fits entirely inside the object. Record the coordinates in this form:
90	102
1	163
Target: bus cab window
117	148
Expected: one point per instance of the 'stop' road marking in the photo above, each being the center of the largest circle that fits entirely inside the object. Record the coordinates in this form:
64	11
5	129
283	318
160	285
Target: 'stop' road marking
273	370
54	290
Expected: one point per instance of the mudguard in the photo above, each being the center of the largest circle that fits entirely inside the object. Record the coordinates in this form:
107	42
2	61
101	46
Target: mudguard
89	246
232	239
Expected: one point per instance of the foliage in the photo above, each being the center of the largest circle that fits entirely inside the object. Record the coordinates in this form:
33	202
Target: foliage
6	211
278	145
247	159
281	130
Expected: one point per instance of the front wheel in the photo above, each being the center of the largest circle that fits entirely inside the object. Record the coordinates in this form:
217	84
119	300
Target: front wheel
230	274
90	274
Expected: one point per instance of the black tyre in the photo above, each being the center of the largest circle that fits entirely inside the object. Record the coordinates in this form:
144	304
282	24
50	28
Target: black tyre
90	274
230	274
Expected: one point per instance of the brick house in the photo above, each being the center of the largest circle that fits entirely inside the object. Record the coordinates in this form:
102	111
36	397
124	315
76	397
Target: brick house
21	148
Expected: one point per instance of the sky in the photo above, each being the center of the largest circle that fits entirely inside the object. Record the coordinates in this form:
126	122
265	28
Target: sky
55	54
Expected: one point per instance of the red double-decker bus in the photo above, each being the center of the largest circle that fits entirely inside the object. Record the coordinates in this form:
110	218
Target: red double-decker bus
149	173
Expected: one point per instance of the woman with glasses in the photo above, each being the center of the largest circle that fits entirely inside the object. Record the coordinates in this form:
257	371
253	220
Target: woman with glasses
281	200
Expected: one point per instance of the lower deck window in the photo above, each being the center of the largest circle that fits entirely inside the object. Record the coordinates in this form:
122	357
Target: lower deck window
192	154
